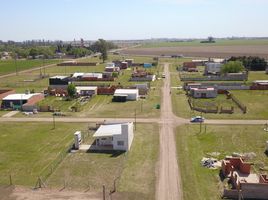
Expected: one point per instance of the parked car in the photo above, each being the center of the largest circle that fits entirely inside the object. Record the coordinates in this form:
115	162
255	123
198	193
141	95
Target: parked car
197	119
163	75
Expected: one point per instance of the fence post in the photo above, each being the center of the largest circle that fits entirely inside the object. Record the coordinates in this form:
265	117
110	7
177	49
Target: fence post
103	192
10	180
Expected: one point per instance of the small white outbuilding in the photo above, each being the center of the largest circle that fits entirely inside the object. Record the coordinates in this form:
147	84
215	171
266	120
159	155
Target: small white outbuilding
117	136
130	94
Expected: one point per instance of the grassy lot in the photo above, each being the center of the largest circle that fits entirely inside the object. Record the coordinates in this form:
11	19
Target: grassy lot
197	43
256	106
202	183
257	75
26	149
136	169
9	66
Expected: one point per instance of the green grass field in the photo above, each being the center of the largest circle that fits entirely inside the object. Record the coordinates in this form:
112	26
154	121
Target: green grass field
9	66
135	169
26	149
197	43
201	183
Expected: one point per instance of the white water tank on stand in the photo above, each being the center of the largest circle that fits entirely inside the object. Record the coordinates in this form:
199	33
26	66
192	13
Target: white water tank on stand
77	139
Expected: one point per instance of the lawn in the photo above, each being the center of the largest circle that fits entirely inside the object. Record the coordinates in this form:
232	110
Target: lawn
202	183
135	170
27	149
256	102
9	66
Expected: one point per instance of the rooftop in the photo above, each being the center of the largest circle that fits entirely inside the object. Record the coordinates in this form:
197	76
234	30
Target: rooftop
20	96
79	88
126	91
203	89
59	77
108	130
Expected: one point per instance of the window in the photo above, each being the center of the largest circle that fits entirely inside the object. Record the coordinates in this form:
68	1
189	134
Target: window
120	143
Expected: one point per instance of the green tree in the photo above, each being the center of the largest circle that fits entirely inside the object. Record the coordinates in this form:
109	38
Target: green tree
71	90
33	52
101	46
232	67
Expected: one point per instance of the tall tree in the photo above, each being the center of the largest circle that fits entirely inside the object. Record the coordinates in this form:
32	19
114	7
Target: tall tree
71	90
101	46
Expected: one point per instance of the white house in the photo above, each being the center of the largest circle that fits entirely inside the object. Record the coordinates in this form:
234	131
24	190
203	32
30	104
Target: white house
115	136
130	94
213	68
208	92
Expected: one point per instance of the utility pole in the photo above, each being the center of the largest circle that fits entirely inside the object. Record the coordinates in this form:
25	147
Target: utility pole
16	65
135	120
54	123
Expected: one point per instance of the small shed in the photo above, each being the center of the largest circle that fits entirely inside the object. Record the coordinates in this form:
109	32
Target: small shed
208	92
189	66
147	65
59	82
129	94
86	90
213	68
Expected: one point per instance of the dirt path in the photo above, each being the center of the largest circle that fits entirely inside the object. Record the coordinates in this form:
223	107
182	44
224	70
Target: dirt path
168	183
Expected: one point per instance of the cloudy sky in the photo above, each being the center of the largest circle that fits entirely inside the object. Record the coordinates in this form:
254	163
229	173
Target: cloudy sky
131	19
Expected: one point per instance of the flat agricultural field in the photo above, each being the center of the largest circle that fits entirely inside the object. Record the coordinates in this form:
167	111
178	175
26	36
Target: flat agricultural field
219	42
201	183
211	50
134	172
27	149
9	66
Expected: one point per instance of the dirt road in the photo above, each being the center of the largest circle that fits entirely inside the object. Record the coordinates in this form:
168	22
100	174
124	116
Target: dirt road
168	183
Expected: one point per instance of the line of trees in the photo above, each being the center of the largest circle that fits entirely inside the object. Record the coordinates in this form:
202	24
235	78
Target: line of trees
252	63
100	46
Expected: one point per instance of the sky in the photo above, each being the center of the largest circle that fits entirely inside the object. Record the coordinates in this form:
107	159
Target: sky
131	19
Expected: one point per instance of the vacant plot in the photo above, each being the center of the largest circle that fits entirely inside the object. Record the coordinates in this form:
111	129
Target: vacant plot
10	66
256	107
202	183
134	172
27	149
204	51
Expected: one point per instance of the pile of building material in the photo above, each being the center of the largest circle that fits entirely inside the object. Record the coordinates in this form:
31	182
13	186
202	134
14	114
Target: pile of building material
210	163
